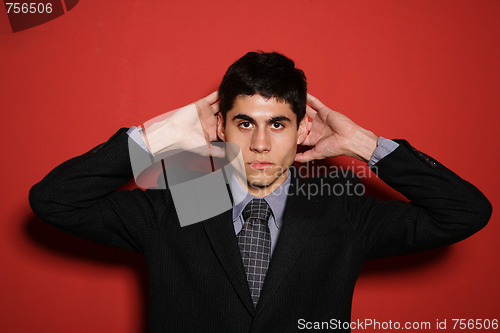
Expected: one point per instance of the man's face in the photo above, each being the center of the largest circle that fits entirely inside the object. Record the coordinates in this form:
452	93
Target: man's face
266	132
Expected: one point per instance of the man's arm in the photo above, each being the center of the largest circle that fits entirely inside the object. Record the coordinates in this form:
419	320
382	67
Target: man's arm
79	197
443	207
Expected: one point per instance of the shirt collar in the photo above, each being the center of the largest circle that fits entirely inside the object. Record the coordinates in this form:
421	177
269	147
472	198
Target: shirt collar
275	199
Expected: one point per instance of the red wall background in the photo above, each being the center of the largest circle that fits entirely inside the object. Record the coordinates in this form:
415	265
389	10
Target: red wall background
426	71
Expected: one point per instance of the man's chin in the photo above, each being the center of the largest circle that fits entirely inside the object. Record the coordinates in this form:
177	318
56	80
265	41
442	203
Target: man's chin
262	180
259	183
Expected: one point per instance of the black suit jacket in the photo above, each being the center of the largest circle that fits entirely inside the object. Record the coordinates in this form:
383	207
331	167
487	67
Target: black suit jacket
197	279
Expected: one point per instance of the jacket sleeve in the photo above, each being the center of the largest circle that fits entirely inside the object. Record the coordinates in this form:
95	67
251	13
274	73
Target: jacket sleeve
80	197
443	208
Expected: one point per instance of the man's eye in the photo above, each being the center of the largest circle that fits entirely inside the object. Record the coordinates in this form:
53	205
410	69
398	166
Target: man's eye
245	124
277	125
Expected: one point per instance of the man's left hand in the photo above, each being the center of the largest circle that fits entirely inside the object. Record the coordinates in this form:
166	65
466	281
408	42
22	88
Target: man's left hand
333	134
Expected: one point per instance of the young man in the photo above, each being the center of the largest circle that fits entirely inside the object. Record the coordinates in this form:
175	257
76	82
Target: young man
280	257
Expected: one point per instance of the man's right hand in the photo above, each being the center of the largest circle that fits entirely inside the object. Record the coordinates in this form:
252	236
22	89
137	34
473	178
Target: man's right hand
190	128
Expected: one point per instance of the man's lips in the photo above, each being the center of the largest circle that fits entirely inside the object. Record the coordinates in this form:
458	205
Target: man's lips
260	165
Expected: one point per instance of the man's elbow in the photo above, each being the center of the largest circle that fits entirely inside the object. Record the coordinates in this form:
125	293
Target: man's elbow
482	214
37	199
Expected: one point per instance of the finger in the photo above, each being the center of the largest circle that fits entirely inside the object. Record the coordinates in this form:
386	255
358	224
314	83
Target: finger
215	108
315	103
306	142
307	156
212	98
207	109
309	124
311	112
310	140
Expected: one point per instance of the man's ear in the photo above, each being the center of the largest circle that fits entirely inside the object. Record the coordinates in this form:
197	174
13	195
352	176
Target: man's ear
303	130
221	131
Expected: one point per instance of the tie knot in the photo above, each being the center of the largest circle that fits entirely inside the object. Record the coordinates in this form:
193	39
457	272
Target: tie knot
258	209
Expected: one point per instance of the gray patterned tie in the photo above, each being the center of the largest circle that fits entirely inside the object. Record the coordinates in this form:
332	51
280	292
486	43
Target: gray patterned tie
254	240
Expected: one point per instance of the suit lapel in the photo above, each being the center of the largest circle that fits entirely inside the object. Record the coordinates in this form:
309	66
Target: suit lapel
220	231
300	214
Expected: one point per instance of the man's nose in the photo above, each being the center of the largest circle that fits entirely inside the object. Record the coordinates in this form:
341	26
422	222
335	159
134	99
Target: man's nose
260	141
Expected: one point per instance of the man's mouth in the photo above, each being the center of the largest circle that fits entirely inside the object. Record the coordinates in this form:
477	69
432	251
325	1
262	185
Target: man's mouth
260	165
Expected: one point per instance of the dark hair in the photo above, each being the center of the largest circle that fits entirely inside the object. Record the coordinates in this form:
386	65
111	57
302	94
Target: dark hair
269	74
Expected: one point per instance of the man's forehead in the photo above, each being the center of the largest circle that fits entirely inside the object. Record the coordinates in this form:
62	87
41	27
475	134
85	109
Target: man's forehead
258	98
257	106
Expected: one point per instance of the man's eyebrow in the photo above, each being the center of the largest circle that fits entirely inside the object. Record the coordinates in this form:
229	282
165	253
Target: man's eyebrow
279	118
244	117
271	120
